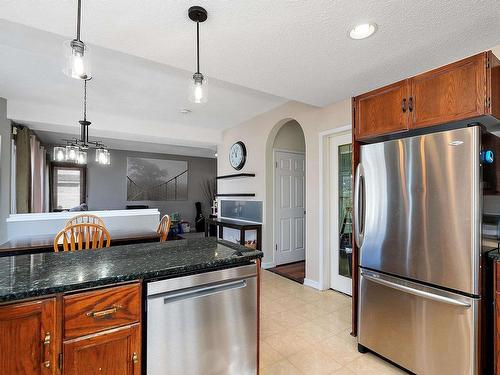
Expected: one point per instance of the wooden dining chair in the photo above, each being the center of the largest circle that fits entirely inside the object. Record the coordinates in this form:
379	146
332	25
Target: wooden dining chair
84	219
82	236
164	228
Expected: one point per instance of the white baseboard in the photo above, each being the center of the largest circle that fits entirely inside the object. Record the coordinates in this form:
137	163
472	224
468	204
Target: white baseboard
266	265
312	284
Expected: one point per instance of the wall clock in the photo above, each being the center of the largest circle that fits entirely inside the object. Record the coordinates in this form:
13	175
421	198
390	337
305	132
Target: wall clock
238	155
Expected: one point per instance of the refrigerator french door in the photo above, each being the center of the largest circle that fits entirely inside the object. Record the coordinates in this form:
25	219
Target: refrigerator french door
418	207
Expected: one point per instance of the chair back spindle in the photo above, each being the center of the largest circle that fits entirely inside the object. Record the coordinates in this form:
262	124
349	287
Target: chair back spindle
83	236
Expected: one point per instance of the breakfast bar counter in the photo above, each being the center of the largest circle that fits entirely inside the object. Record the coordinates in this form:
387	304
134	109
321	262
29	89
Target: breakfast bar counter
26	276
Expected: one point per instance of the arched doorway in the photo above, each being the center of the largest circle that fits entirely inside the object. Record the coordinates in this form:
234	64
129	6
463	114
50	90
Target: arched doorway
287	199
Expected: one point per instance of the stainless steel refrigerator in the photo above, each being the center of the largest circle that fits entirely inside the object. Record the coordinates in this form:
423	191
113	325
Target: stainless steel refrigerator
418	216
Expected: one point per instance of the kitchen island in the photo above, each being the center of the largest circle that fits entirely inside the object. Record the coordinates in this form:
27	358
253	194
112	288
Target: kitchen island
81	312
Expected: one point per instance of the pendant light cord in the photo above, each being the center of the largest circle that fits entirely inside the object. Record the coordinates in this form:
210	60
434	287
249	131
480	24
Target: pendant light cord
78	20
197	46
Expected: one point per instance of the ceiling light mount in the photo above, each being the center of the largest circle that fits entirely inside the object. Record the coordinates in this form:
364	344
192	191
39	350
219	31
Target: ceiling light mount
197	14
363	31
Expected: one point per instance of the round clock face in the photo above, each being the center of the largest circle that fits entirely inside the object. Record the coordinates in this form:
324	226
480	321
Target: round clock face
237	155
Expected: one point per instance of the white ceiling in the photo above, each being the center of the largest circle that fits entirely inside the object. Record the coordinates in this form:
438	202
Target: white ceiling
295	49
129	98
257	54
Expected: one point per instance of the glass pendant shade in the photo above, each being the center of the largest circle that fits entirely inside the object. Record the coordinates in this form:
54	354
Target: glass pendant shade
198	90
102	156
72	153
59	153
82	157
77	60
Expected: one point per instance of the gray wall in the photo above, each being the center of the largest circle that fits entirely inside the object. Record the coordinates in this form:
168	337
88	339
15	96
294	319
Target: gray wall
107	185
4	169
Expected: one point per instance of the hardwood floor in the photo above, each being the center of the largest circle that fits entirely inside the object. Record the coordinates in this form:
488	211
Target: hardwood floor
294	271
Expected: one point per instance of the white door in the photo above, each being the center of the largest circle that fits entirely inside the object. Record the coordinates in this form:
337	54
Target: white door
341	212
289	201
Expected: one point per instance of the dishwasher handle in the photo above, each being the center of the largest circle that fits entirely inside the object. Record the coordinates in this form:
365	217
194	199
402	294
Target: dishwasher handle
200	292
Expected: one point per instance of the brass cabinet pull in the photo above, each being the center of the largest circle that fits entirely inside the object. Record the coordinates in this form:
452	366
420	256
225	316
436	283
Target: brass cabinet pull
98	314
45	350
135	358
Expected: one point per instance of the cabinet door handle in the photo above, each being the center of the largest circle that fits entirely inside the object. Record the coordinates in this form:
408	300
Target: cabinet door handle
410	104
135	358
46	349
403	105
99	314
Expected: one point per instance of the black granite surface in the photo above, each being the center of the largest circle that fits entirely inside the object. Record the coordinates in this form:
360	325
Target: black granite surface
26	276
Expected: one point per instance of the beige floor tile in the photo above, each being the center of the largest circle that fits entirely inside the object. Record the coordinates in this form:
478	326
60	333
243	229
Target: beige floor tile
314	362
287	343
312	333
342	347
369	364
289	319
283	367
331	322
343	371
269	327
309	311
268	355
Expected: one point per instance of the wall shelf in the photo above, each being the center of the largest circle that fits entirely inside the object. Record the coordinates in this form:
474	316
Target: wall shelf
236	175
236	195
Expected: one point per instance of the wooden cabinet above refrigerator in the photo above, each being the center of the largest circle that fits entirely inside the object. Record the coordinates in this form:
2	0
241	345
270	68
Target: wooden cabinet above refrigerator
465	90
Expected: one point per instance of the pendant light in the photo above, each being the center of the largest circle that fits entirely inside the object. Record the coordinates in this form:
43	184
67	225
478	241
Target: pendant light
198	90
76	149
77	53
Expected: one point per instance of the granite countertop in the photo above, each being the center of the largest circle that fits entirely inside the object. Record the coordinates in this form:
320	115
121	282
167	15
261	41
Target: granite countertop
26	276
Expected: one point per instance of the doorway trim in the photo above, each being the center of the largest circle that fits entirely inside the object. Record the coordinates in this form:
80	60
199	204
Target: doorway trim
325	204
275	226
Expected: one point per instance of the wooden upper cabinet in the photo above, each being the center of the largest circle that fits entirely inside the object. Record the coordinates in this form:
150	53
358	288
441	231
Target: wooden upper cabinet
383	111
116	352
454	92
28	338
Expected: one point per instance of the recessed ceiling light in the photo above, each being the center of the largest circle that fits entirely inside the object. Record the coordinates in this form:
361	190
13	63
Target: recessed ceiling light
185	110
362	31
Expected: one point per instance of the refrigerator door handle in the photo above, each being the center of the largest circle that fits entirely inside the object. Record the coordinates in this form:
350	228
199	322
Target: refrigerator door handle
359	205
416	292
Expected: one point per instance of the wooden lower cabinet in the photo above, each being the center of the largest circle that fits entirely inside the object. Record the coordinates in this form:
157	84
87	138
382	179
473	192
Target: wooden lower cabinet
28	338
115	352
97	334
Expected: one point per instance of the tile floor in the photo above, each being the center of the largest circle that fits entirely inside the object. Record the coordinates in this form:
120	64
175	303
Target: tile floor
304	331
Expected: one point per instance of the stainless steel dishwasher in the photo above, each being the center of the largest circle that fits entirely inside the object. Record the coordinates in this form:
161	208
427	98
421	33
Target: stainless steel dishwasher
203	324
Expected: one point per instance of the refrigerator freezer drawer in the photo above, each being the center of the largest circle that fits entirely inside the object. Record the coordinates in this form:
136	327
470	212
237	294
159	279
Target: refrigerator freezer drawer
425	330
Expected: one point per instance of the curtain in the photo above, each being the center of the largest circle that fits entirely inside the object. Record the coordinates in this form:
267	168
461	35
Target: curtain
31	174
37	154
23	171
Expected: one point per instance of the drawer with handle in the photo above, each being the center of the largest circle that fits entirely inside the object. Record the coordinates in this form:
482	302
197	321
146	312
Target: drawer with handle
99	310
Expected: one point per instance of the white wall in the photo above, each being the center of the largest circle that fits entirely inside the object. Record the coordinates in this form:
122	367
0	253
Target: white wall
258	135
290	137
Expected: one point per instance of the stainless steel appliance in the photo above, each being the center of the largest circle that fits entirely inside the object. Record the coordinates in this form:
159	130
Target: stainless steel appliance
418	208
203	324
